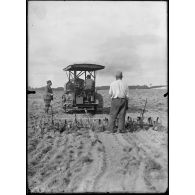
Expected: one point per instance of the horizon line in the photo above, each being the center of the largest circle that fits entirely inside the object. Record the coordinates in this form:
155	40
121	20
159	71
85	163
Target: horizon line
107	86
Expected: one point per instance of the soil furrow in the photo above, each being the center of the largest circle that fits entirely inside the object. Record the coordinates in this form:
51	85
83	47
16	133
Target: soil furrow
113	154
103	169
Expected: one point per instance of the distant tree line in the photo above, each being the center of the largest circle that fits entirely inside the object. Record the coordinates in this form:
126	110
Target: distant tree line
132	87
139	87
102	87
43	88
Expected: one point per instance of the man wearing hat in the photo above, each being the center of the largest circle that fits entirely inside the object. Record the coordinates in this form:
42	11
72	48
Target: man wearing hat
48	95
119	104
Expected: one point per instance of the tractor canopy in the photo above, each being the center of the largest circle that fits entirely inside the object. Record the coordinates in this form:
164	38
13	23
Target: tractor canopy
83	67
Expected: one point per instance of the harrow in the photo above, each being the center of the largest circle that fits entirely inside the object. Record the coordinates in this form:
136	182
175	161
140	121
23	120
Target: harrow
102	124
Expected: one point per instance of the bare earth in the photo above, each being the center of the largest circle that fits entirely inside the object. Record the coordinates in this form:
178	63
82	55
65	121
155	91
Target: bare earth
92	159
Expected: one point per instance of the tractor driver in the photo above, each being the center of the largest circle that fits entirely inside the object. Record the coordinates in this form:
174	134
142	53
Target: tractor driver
89	85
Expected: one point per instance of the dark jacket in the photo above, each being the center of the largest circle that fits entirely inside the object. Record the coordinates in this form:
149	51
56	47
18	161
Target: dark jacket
48	92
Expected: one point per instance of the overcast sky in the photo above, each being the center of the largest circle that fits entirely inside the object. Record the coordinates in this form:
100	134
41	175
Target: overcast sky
126	36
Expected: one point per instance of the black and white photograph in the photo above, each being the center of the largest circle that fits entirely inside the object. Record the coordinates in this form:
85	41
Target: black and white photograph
97	103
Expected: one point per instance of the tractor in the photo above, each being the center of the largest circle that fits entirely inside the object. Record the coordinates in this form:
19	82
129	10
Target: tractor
80	91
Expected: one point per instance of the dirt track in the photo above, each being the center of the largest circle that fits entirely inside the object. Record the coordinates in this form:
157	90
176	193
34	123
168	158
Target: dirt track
84	160
88	161
124	165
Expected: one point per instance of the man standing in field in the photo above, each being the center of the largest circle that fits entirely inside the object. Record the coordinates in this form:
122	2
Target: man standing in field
119	103
48	96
